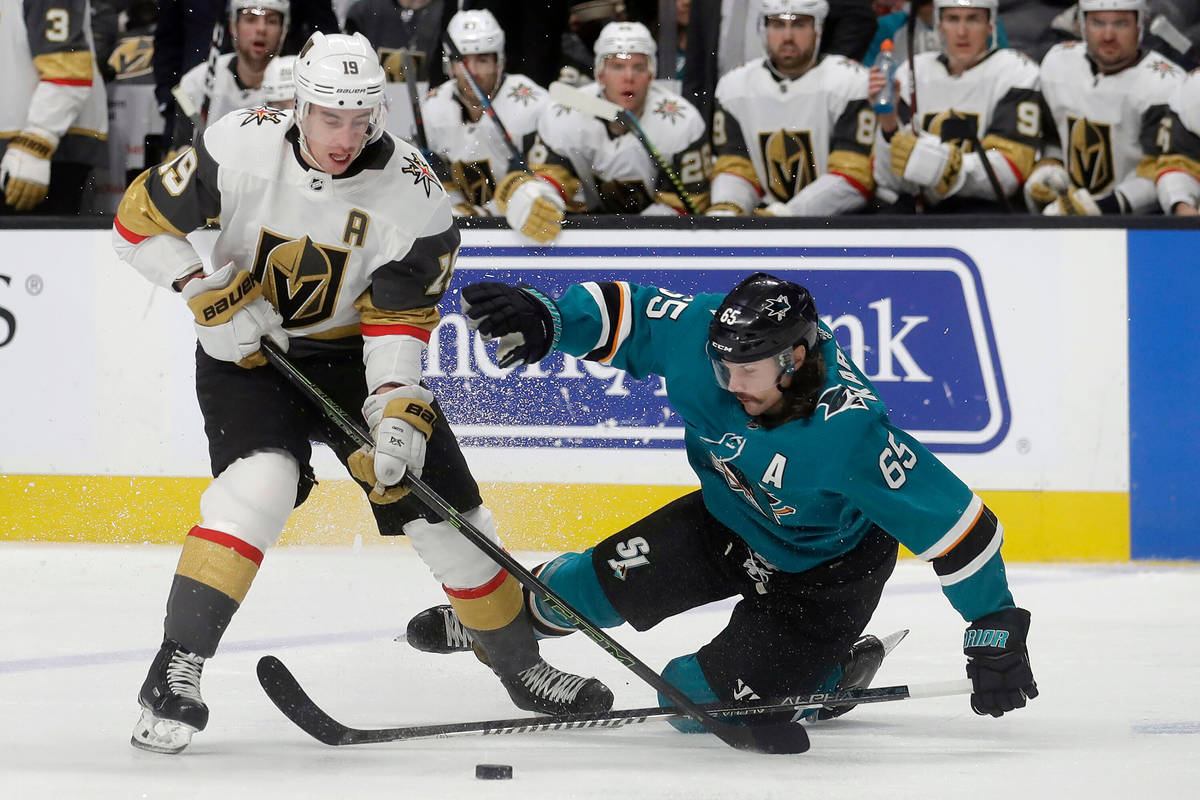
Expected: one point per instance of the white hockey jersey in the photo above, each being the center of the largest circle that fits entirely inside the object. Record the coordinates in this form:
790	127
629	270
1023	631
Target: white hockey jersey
49	78
1177	168
1106	125
476	152
366	253
996	101
780	135
229	93
604	169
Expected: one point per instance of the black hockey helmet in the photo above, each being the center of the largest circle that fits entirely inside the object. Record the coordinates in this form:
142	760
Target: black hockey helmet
763	317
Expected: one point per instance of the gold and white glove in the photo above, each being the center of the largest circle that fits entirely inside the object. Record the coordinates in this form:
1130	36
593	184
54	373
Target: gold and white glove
232	317
531	206
401	421
927	161
25	168
1046	184
1074	203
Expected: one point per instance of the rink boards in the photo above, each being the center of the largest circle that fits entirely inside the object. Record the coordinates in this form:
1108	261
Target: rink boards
1005	351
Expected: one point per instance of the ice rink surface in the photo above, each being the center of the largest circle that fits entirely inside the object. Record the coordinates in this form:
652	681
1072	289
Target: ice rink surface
1114	649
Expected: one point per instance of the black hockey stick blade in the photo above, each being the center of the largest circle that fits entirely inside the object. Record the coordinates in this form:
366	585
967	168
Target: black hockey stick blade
289	696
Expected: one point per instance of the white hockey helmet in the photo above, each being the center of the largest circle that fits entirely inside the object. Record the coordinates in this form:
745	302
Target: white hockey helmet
278	82
622	38
1138	6
475	32
992	6
338	70
283	7
817	9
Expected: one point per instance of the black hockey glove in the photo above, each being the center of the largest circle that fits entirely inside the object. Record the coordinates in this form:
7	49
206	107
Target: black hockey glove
998	663
525	321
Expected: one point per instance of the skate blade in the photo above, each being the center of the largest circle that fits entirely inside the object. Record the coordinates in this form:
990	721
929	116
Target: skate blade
157	735
890	641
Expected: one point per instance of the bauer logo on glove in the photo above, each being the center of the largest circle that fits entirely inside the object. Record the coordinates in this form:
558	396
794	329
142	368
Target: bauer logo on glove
246	289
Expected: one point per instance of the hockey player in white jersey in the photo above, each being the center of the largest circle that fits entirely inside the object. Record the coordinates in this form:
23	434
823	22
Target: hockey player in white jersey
336	242
793	130
581	164
53	117
245	77
456	127
968	94
1177	168
1107	99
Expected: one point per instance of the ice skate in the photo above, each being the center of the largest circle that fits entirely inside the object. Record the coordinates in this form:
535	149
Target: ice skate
862	662
547	690
437	630
172	709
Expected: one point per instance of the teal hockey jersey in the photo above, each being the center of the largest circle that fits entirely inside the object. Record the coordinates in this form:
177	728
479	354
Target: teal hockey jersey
805	492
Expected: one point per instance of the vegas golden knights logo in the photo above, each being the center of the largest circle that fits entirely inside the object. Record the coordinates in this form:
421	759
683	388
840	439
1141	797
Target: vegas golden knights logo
392	62
474	179
132	57
788	160
300	277
1089	154
954	127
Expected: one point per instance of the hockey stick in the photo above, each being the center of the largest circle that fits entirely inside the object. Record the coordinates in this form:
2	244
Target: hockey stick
284	690
914	118
775	737
954	128
210	72
408	66
611	112
516	160
1161	27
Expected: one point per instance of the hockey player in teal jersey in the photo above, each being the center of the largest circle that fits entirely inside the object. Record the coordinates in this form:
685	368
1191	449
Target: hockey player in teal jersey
806	488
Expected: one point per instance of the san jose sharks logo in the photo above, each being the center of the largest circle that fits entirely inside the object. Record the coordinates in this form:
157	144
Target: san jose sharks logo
777	307
261	115
728	447
837	399
422	173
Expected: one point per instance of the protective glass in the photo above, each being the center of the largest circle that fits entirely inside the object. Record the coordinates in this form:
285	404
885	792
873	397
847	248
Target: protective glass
335	128
753	377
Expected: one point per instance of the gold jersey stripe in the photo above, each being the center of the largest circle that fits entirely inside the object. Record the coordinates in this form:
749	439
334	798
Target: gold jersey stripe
75	65
137	212
426	317
1168	163
737	165
1020	155
215	565
490	611
856	166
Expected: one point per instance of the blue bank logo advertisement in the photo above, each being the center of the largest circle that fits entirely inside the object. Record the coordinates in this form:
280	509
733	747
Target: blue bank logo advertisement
914	319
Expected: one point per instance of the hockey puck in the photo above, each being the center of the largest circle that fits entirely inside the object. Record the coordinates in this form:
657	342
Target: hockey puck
493	772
